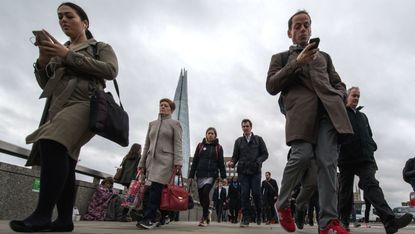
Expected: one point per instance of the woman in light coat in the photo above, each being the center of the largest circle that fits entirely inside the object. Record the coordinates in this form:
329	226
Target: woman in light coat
68	74
162	156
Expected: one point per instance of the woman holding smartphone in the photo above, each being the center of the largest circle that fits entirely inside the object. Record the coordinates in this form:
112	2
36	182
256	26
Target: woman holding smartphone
68	74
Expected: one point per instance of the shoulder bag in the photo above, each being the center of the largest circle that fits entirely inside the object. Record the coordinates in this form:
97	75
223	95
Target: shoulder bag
107	118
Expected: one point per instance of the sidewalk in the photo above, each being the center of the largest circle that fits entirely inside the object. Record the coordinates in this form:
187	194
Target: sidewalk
85	227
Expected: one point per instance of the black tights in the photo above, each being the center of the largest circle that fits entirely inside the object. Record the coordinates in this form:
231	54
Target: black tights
57	185
204	199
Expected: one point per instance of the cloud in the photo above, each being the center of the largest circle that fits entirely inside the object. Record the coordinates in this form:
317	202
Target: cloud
226	47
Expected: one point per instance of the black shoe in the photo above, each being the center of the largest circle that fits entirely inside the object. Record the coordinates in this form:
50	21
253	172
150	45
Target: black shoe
258	221
398	223
244	223
56	226
22	226
345	225
146	224
299	219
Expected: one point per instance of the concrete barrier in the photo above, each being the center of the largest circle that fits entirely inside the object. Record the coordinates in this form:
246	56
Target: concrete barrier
17	200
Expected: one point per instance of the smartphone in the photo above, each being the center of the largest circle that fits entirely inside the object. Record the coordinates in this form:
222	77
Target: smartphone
316	41
41	36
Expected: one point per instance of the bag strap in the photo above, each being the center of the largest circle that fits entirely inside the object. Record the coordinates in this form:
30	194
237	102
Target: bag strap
189	187
199	147
217	151
217	147
139	172
96	56
180	178
284	60
272	187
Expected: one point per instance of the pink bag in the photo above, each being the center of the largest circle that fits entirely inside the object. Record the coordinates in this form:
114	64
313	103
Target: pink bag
135	195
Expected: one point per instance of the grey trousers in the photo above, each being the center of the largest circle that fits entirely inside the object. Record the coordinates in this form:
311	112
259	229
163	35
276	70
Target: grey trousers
326	153
308	186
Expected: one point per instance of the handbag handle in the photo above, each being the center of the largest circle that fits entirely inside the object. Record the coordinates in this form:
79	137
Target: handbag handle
96	56
180	178
139	172
189	186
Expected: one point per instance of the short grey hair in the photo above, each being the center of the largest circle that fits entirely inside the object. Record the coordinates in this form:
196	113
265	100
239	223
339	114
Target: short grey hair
352	88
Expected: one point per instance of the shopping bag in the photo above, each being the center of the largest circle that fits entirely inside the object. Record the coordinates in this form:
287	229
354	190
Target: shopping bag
135	194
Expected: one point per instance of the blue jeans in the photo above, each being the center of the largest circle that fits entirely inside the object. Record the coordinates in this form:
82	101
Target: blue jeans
250	184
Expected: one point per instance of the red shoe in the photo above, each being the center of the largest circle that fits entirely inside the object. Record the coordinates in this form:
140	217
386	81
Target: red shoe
286	220
334	227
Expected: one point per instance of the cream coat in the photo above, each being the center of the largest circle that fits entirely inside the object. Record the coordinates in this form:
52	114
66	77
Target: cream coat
309	91
162	149
68	85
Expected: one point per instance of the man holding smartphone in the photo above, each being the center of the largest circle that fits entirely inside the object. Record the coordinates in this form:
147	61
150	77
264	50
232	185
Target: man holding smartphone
313	99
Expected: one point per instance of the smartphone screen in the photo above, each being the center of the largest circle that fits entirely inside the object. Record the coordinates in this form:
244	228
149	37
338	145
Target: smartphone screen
316	41
41	35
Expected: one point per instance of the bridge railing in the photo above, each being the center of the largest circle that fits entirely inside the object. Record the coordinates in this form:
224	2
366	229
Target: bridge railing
20	201
20	152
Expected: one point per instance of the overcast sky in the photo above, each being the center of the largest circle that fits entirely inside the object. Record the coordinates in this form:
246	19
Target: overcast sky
226	47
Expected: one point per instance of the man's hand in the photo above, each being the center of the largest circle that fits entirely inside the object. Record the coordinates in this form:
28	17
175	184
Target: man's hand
189	181
230	164
307	55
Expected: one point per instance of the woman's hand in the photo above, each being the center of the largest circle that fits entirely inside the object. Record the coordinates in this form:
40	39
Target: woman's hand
51	48
178	169
43	56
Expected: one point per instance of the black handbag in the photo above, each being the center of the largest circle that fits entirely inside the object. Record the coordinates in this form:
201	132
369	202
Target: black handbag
191	203
107	118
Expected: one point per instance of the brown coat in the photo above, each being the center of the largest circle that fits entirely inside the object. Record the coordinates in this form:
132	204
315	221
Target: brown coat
303	87
68	85
162	149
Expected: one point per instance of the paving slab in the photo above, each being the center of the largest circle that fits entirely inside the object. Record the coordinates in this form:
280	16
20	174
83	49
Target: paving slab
89	227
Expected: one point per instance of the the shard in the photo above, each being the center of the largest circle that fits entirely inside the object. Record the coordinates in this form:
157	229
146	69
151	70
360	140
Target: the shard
182	114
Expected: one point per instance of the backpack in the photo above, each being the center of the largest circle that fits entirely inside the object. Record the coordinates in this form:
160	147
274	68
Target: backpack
284	59
217	147
409	166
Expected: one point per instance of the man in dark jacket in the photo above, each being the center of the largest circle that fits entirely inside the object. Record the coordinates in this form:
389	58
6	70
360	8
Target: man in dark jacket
409	172
356	158
269	194
249	152
219	200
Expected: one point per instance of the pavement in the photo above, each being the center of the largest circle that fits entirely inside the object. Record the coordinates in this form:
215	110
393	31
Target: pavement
101	227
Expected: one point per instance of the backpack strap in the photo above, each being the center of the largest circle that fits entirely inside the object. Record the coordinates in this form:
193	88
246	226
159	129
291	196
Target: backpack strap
284	60
217	151
199	147
284	57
